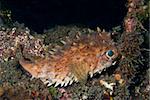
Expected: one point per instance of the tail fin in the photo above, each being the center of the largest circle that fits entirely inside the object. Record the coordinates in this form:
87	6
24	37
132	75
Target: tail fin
30	67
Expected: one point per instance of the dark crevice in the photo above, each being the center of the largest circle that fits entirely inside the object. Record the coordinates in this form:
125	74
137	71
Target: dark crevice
44	14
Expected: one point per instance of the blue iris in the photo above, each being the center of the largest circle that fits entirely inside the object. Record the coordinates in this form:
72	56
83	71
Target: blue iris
110	53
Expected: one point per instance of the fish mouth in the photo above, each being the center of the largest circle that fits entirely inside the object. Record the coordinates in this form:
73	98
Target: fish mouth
114	63
102	67
116	60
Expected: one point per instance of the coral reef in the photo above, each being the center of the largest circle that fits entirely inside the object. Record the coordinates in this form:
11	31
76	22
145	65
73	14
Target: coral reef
13	39
128	79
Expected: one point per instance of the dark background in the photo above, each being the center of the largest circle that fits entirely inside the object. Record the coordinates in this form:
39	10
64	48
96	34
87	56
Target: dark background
43	14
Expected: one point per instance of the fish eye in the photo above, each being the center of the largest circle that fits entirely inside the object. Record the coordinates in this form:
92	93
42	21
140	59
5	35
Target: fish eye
109	53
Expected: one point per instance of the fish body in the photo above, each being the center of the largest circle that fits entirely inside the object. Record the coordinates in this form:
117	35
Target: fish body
87	55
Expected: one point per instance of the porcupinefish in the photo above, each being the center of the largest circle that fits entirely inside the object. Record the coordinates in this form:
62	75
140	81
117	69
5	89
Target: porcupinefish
87	55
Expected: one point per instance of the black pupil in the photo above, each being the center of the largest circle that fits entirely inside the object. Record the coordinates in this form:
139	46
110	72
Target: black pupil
110	53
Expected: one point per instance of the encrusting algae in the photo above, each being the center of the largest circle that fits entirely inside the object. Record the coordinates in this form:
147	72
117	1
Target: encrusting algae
84	56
